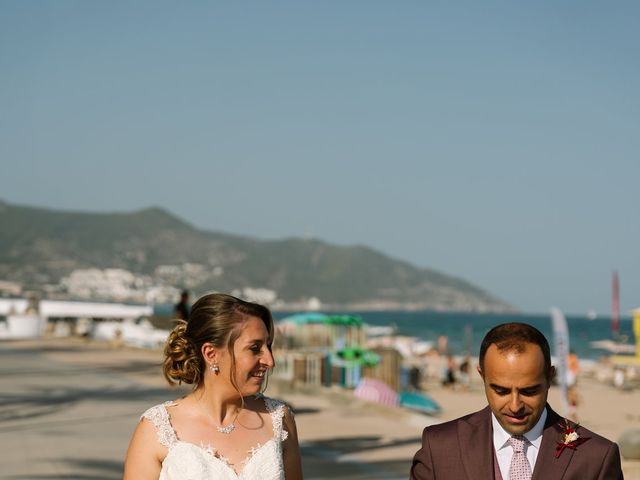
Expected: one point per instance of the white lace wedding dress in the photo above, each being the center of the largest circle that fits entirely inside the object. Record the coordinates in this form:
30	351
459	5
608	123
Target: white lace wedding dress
187	461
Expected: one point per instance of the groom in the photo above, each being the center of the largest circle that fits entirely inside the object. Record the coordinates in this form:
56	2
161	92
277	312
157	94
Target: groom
516	436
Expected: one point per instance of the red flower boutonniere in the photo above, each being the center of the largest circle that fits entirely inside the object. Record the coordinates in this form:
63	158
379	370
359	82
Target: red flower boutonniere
570	438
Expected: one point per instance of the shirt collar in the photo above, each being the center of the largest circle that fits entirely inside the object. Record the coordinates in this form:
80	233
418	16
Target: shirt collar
534	436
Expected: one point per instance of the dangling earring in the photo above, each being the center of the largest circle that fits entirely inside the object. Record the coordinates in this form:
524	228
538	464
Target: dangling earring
214	368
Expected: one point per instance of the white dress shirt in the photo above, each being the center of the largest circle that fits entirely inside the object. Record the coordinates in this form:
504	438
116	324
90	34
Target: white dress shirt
504	451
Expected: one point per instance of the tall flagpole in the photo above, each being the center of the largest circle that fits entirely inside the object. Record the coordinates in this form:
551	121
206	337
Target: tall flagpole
615	306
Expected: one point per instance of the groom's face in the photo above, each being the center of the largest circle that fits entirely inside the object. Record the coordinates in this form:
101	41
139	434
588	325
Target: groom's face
516	385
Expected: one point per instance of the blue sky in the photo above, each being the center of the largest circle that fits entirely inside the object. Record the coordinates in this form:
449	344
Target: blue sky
494	141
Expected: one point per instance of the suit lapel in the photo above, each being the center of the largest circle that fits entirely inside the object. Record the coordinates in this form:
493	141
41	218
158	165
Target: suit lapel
475	439
547	465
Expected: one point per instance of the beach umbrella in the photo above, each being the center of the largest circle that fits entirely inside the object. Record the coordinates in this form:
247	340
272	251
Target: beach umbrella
419	401
376	391
343	320
359	356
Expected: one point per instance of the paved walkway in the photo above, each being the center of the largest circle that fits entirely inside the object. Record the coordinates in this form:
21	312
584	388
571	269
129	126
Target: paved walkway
67	410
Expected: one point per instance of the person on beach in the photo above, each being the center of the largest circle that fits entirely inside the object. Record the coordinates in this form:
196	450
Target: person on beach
465	370
449	376
181	309
573	398
224	429
517	436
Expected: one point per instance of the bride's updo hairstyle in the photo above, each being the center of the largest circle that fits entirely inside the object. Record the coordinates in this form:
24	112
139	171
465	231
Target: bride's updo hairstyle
217	319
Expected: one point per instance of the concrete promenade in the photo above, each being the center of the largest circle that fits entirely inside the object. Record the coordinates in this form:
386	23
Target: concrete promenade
68	407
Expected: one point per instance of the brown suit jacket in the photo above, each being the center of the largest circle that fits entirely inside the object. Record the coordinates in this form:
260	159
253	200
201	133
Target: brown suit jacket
462	449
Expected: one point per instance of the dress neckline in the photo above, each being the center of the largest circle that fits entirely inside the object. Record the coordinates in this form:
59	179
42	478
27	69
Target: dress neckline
213	453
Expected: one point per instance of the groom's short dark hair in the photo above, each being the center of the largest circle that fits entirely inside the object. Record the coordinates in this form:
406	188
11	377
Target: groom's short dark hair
514	336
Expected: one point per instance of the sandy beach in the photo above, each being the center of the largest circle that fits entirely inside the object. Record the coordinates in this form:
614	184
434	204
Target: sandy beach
69	407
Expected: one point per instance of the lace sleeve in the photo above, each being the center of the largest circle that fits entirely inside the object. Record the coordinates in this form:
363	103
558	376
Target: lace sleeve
277	409
159	416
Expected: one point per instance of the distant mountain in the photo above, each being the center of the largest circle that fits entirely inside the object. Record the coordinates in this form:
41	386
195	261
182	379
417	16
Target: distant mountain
39	247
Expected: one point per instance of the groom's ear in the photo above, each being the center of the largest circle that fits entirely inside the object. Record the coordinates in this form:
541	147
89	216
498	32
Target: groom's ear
480	372
551	374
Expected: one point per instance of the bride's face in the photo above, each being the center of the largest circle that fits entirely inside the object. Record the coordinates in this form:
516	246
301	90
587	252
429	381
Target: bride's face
253	357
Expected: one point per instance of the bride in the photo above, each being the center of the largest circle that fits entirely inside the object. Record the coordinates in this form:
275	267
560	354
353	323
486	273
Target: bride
224	429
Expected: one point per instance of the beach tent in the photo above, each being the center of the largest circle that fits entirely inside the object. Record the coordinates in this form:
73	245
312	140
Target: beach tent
288	326
318	330
419	401
376	391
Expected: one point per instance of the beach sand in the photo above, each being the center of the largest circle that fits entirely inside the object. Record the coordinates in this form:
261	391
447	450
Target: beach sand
70	405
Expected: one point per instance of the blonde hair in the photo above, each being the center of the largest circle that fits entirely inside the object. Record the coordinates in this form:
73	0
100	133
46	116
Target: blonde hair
215	318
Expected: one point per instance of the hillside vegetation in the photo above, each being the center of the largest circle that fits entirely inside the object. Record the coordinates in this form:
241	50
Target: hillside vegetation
41	246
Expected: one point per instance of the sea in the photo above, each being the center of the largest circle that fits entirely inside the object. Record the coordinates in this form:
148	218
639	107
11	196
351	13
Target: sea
464	331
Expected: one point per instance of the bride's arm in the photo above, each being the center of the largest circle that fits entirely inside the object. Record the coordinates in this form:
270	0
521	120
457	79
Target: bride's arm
143	460
291	450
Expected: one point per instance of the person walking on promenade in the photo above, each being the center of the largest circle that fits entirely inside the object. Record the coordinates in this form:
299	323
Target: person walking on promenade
224	429
181	309
517	436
